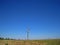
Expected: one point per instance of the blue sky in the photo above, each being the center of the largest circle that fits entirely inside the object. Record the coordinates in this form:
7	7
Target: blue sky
41	16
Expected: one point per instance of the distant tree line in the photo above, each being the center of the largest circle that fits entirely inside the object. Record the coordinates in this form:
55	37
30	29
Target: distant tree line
1	38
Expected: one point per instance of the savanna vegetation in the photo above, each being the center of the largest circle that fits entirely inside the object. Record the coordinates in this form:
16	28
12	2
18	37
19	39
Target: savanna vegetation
30	42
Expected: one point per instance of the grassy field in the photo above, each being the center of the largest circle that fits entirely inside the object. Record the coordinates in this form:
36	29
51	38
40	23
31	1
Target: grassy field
30	42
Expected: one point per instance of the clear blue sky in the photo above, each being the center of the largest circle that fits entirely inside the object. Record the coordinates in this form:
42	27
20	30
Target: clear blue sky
42	17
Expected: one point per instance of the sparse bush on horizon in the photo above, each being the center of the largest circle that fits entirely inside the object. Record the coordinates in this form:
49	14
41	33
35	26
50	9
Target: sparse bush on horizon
1	38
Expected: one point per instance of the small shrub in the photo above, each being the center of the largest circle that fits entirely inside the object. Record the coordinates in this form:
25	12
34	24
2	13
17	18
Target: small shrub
6	44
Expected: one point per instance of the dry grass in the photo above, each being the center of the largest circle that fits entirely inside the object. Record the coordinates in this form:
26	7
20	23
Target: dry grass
30	42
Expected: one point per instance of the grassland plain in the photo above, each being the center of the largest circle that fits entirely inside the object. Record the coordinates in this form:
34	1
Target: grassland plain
30	42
